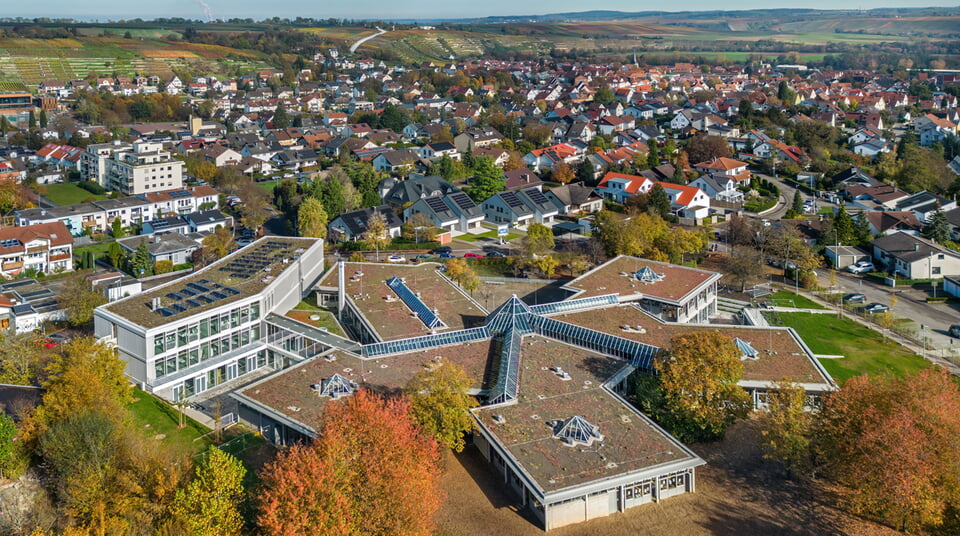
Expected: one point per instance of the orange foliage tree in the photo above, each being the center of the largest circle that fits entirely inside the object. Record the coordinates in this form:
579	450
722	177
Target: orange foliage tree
892	442
372	471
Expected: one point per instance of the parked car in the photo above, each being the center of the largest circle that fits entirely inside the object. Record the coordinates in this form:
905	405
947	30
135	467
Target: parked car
861	267
396	258
875	308
472	255
447	255
954	331
441	249
495	254
854	298
422	257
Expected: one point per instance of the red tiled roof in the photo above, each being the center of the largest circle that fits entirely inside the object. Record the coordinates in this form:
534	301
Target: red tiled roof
56	232
636	181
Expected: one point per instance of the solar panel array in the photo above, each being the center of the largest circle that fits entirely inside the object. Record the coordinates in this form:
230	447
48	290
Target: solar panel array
424	342
9	243
536	196
180	193
250	263
640	355
511	199
574	305
507	383
415	304
437	205
194	295
462	200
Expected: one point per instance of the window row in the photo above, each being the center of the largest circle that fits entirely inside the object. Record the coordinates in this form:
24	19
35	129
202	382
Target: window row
213	325
207	350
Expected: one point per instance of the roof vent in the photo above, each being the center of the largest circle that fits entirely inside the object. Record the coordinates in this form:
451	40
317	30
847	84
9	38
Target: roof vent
499	419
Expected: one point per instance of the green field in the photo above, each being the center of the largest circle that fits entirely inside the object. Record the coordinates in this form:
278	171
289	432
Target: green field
786	298
68	193
865	351
160	421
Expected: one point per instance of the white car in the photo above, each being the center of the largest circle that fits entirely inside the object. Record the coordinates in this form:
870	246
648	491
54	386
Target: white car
396	258
861	267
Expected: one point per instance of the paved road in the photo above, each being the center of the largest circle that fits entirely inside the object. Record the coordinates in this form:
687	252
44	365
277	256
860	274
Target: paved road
911	303
355	46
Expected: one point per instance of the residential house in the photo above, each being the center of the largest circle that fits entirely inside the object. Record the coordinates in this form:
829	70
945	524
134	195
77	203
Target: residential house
401	193
618	187
351	226
687	201
207	221
914	257
475	138
173	247
453	212
719	187
729	167
521	179
879	197
521	208
575	199
396	160
892	221
220	155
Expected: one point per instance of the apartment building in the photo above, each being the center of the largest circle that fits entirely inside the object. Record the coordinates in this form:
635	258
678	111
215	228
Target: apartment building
47	248
132	169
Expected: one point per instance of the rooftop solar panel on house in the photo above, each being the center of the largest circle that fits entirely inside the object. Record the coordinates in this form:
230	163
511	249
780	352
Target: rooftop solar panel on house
436	204
511	199
462	200
536	196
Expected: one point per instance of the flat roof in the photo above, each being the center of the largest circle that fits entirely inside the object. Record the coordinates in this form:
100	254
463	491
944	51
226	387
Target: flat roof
781	354
390	317
236	276
290	392
616	276
630	441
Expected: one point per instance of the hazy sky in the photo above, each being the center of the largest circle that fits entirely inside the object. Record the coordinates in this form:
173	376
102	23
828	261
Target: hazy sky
408	9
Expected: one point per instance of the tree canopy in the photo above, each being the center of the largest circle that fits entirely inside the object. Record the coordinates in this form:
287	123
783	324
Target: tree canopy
440	403
371	471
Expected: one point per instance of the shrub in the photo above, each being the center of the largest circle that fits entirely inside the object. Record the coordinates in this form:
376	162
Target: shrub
92	187
162	267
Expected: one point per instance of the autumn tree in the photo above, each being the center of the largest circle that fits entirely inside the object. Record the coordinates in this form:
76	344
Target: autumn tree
253	211
744	264
892	443
79	300
312	218
8	449
460	272
22	362
539	240
420	228
785	426
646	235
705	147
562	173
377	235
219	243
391	487
440	403
210	504
695	393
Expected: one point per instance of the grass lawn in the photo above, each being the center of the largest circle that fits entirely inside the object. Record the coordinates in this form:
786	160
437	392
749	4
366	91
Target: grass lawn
158	419
99	251
786	298
489	234
864	350
68	193
268	186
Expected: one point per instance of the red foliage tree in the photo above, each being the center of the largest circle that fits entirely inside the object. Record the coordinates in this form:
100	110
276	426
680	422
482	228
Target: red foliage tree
372	471
893	443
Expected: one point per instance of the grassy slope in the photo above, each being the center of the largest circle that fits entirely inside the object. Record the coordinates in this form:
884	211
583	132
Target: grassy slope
865	351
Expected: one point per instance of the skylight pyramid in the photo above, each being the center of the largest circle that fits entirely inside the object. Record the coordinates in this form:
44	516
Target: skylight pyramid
576	430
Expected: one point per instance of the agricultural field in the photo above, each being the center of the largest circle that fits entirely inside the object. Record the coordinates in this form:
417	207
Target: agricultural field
32	61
